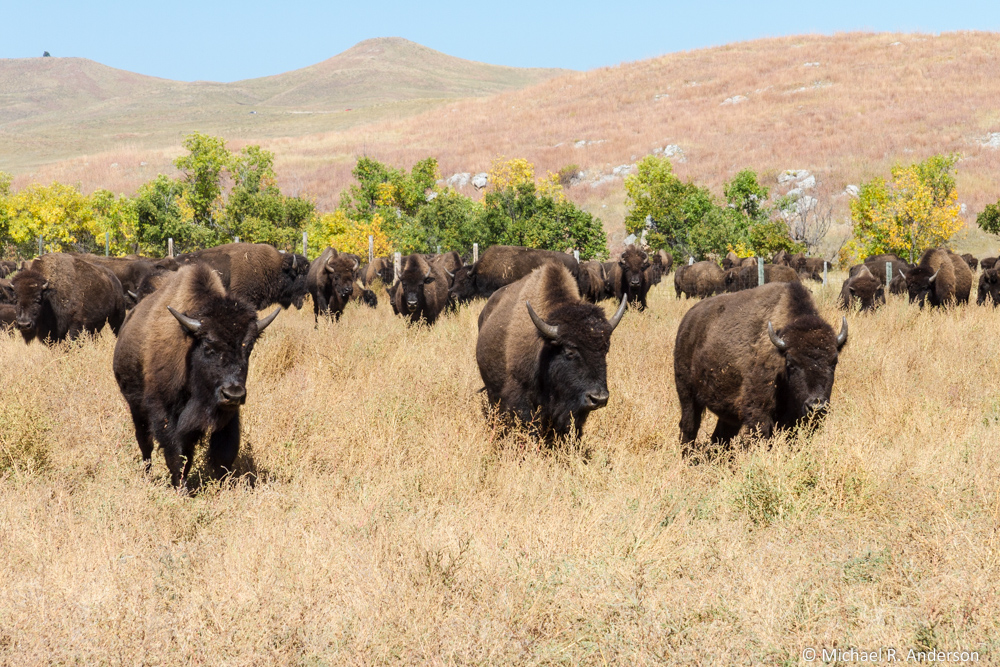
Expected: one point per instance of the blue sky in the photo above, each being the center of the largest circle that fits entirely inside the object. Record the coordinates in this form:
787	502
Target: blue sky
227	41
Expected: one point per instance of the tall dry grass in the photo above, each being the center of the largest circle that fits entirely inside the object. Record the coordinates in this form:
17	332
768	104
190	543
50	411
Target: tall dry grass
389	523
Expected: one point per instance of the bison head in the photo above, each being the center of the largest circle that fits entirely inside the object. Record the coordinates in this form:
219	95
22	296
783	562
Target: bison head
633	263
340	271
810	352
573	362
28	292
224	332
920	285
294	269
865	289
412	279
463	285
898	283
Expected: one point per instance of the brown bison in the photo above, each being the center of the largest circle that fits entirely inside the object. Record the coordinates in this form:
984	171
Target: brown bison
731	260
941	278
256	273
502	265
628	277
332	283
379	269
760	360
808	267
542	352
181	363
989	287
741	278
988	263
862	288
63	295
421	292
782	258
593	281
660	264
898	283
876	265
130	271
700	279
7	268
971	261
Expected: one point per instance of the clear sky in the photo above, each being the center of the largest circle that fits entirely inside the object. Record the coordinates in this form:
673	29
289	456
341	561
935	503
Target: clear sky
228	40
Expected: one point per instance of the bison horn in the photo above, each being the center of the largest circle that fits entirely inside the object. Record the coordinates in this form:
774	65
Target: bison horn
617	317
189	323
262	324
934	276
360	284
133	294
428	274
842	336
901	274
550	331
450	274
778	343
356	263
294	260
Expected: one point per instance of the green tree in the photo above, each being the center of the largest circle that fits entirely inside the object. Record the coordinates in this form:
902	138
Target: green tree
203	166
989	219
160	216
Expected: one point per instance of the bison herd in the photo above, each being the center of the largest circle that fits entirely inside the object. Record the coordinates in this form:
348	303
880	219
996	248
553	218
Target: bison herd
760	360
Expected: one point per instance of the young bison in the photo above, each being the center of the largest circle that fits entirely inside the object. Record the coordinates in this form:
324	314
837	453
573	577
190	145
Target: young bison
181	362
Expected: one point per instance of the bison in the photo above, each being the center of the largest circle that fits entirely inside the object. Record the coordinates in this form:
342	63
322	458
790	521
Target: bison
863	288
256	273
760	360
660	264
502	265
181	363
941	278
542	352
808	267
700	279
7	267
130	271
876	265
988	263
380	268
628	277
62	296
740	278
332	283
989	287
971	261
421	292
593	281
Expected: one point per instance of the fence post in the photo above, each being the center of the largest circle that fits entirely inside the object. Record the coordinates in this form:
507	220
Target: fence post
888	275
690	260
396	268
305	244
576	253
439	250
760	271
371	248
107	244
237	239
475	253
41	247
824	272
170	247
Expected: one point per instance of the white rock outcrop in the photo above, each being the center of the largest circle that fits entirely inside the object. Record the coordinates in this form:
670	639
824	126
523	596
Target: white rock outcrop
480	180
459	180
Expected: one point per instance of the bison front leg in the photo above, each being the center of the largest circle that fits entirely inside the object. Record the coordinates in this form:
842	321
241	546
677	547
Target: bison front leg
224	446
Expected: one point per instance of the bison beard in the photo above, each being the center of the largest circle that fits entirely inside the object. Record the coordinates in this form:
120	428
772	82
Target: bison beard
181	363
542	352
760	360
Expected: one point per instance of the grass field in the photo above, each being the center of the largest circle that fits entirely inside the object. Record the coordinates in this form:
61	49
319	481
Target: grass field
389	523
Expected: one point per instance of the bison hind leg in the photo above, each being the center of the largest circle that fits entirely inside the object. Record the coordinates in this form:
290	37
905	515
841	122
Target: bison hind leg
143	435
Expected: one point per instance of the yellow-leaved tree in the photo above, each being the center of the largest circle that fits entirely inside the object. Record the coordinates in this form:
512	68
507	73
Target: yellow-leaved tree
915	210
336	230
60	215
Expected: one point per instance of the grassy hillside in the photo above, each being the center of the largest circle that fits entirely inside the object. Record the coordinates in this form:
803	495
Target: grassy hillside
51	108
391	524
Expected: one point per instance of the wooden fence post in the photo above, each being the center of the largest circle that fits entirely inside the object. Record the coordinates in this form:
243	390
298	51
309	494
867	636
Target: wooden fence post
690	260
888	275
760	271
396	268
170	247
824	272
475	253
576	253
305	244
41	247
371	248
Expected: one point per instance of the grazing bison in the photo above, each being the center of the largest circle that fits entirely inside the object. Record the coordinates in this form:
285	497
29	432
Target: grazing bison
501	265
332	283
731	260
181	363
863	288
542	351
971	261
782	258
808	267
63	295
628	277
898	283
740	278
941	278
876	265
760	360
593	281
988	263
700	279
422	290
256	273
989	287
130	271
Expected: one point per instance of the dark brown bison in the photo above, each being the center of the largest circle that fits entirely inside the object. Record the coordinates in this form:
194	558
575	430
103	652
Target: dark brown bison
898	283
332	283
988	263
941	278
256	273
152	282
628	277
971	261
63	295
808	267
741	278
422	290
130	271
381	269
660	264
701	279
781	258
760	360
989	287
876	265
8	315
862	288
593	281
501	265
181	363
7	268
542	351
731	260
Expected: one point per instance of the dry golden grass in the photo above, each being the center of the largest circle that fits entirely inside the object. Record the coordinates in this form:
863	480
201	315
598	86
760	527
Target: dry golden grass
388	522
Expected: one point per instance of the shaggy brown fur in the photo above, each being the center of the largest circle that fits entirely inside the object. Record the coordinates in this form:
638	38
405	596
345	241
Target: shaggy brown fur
701	279
987	263
552	383
660	264
502	265
63	295
380	268
180	384
7	268
422	290
332	283
8	313
256	273
593	281
971	261
876	265
129	271
941	277
989	287
741	278
731	260
782	258
628	277
808	267
862	288
724	360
